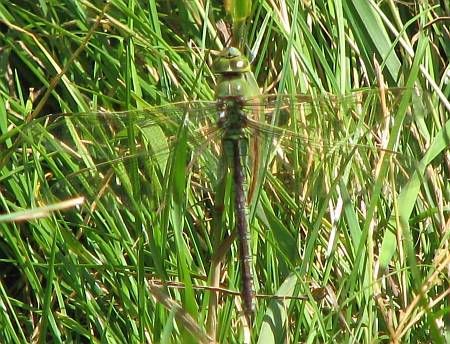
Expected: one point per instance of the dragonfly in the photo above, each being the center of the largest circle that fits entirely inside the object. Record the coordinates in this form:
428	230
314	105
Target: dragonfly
243	133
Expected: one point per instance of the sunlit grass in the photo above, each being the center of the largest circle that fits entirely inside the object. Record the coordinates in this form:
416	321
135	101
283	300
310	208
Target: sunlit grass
355	239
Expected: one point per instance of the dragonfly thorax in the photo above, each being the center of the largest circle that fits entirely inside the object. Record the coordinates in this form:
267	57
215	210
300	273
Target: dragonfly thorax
236	87
234	75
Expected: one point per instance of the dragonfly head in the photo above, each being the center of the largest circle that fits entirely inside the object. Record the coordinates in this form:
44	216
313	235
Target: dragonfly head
231	61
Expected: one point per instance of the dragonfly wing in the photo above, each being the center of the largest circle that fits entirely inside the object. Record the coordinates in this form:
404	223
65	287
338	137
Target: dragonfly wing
101	147
320	140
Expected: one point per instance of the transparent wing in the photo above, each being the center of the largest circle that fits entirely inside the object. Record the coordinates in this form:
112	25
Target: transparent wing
328	120
101	147
309	147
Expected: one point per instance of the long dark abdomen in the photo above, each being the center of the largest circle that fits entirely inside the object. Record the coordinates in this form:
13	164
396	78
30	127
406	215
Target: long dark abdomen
242	229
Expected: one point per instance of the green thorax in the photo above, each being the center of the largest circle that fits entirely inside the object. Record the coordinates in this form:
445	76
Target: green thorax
236	85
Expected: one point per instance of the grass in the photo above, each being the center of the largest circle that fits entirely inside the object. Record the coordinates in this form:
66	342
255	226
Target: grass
353	238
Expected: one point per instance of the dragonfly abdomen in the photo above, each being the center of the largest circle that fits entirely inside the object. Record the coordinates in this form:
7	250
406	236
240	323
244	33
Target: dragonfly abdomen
242	225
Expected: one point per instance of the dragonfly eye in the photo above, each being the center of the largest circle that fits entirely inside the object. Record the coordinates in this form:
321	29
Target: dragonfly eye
232	52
